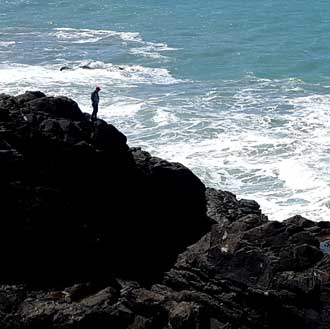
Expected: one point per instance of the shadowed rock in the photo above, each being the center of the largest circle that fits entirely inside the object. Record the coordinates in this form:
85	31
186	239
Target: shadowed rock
79	208
77	202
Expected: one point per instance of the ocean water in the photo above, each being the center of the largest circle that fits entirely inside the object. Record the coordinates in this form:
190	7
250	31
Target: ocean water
238	91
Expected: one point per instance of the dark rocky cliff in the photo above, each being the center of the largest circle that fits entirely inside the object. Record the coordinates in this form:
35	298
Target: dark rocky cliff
95	234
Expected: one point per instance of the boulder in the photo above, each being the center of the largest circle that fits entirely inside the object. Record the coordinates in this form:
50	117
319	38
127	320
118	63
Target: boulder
79	204
59	107
29	96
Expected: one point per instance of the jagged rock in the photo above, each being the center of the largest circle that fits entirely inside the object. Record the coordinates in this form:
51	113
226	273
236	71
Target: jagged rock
106	136
174	184
60	107
185	316
7	104
300	221
223	207
80	208
73	189
29	96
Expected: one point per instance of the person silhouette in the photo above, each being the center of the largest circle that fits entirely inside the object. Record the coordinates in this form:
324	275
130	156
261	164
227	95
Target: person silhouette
95	102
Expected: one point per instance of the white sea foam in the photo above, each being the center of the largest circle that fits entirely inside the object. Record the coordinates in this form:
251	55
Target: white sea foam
152	50
275	150
257	141
17	76
121	107
158	46
297	176
142	48
7	43
163	117
88	35
283	188
146	53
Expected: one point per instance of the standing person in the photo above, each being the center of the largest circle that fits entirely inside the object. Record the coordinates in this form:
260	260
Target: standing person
95	102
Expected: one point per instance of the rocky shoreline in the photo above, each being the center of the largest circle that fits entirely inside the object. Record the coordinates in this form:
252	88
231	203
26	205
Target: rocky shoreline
95	234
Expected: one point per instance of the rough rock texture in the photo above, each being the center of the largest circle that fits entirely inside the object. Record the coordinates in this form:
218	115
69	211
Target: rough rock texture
90	231
77	203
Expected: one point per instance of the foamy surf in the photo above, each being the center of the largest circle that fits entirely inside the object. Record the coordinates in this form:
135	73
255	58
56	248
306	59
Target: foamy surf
17	77
261	138
278	157
152	50
6	44
234	140
89	35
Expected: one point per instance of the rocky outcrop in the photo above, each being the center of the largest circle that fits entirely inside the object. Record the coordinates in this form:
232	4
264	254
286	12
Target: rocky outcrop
95	234
77	203
256	273
248	274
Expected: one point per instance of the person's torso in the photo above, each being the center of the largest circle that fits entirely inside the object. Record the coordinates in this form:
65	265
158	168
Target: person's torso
95	97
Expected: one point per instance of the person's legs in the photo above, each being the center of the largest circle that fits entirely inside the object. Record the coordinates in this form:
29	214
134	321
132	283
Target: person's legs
95	109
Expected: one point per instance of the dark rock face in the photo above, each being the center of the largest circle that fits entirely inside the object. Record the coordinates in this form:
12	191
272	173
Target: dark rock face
256	273
97	235
76	200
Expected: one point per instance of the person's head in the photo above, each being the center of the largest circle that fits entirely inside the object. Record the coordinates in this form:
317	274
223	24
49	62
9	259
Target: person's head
98	88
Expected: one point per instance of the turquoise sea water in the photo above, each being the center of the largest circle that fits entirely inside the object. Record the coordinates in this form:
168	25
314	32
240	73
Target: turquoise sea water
238	91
